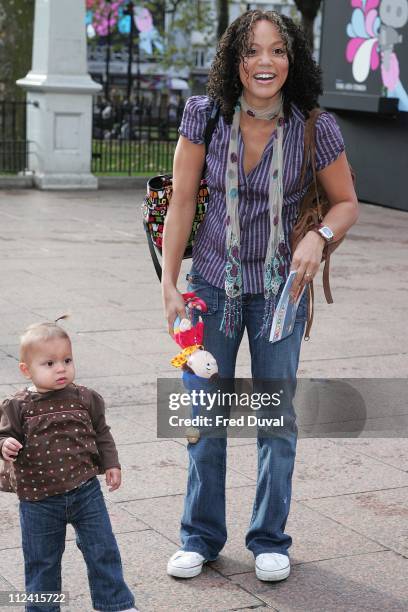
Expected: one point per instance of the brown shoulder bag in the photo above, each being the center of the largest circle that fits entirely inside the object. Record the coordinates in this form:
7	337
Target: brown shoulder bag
313	208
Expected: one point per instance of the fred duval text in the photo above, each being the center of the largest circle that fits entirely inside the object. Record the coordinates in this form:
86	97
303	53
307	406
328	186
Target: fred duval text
249	420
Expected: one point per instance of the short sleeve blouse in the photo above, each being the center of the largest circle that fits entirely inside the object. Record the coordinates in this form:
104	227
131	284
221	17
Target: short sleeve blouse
329	141
209	251
195	117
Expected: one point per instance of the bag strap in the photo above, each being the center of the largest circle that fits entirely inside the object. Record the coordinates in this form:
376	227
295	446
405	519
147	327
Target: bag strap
153	253
326	271
208	134
211	124
310	310
309	157
309	153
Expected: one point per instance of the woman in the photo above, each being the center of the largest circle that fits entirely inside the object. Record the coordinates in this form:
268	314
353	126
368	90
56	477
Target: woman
265	81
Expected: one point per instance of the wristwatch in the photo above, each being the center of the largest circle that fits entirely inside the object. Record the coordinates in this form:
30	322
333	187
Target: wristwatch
325	232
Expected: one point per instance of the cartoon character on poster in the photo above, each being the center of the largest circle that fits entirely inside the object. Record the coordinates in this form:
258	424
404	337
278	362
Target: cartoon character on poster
102	17
149	36
375	31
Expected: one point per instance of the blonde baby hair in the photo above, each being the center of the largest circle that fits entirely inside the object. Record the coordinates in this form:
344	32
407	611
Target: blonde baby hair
40	332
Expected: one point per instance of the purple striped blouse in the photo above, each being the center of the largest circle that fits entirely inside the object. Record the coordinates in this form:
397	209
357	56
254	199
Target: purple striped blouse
209	250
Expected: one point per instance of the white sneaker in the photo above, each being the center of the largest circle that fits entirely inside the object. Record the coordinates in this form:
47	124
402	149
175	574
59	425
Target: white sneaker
185	564
272	566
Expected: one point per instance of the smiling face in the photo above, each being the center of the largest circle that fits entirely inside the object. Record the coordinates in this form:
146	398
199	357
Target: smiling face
264	69
49	364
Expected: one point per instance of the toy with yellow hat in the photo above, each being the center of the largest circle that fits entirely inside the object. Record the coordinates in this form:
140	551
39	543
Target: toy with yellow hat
198	365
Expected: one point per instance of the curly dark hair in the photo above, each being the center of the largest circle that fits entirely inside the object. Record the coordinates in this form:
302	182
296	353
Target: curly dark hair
303	84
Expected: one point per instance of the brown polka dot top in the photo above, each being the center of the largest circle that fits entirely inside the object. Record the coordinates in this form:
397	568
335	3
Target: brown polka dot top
65	441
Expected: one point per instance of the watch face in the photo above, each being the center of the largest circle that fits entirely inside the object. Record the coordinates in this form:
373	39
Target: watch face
326	232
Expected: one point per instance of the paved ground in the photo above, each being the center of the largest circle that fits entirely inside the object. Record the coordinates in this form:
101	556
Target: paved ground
85	253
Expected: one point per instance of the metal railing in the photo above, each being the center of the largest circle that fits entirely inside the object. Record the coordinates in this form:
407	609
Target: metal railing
13	136
126	139
134	139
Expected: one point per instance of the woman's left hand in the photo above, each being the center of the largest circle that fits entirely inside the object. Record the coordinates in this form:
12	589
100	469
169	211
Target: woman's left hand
306	260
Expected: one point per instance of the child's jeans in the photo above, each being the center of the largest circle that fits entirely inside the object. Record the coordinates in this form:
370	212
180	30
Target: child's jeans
203	527
43	527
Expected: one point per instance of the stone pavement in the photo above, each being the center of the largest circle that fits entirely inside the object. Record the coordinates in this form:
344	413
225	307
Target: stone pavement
85	253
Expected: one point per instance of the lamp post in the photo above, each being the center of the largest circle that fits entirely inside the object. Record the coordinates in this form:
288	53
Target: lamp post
129	10
137	69
108	52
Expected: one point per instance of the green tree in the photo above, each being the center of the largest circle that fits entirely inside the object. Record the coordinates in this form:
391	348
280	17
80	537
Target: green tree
184	17
308	10
16	41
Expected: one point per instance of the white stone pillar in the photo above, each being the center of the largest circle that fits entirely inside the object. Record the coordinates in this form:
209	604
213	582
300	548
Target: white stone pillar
59	124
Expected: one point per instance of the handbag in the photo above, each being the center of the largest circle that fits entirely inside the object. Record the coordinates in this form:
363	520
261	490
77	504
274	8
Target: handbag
313	208
157	201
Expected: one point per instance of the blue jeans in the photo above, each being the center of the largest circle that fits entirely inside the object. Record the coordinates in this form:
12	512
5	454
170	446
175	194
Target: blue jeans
203	527
43	527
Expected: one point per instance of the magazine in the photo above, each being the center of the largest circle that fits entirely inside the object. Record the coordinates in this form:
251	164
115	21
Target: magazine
285	312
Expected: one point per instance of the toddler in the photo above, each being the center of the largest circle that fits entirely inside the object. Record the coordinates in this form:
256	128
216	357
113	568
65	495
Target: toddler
55	440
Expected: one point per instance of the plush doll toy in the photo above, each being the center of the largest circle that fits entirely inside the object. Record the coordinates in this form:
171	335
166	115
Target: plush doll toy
198	365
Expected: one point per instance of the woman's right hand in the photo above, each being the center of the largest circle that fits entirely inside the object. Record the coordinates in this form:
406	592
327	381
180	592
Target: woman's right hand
174	305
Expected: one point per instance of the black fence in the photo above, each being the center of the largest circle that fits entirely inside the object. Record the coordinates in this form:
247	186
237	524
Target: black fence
134	139
137	139
13	139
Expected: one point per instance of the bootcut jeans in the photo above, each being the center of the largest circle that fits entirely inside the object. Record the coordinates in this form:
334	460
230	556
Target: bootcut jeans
203	526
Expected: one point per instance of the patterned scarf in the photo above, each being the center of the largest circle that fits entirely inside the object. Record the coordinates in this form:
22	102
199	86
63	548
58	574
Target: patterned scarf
274	260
